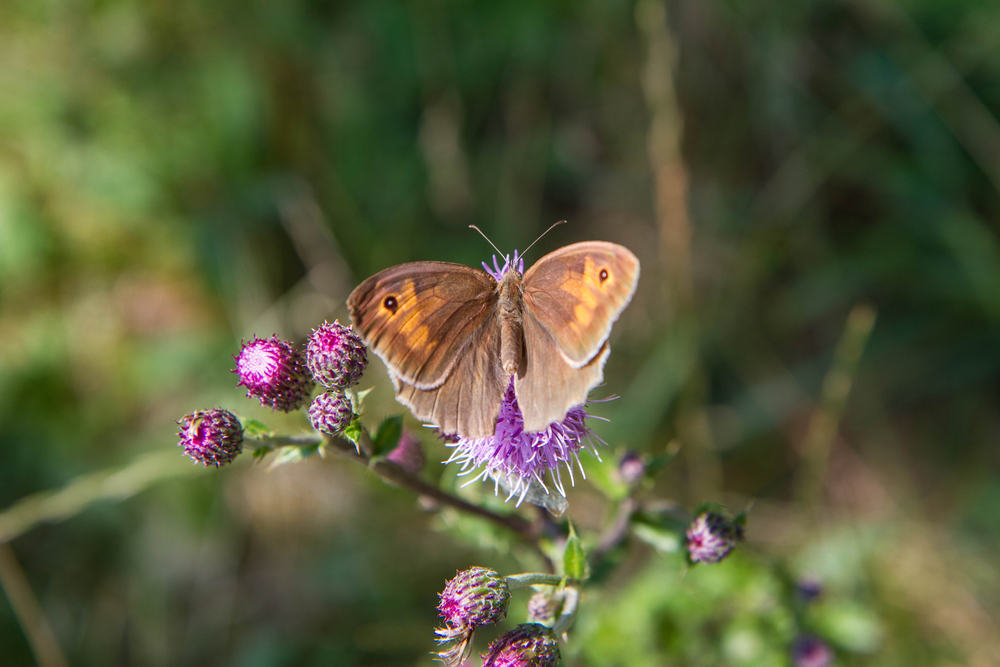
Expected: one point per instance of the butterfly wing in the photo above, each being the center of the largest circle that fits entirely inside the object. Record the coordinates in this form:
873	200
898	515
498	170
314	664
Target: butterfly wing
434	325
572	297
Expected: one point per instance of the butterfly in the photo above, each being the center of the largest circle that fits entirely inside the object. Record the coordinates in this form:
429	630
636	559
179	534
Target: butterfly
453	337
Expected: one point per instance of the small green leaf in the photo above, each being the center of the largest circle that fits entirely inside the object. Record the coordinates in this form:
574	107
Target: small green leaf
354	431
574	557
292	454
662	539
259	454
256	429
388	434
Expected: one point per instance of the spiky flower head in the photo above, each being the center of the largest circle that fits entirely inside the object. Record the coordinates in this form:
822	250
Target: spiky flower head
335	355
543	607
211	437
331	413
527	645
811	652
275	372
473	598
408	454
711	536
521	458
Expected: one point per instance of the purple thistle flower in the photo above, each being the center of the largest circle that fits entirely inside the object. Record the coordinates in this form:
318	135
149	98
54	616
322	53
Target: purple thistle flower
711	537
497	271
527	645
521	458
811	652
335	355
211	437
275	372
408	454
471	599
331	413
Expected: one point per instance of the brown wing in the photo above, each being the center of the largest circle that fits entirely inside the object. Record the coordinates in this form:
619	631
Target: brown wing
547	386
577	293
419	317
468	401
434	324
571	298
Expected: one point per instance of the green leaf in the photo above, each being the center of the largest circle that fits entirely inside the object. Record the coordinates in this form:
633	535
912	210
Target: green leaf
387	437
662	539
292	454
574	557
354	431
256	429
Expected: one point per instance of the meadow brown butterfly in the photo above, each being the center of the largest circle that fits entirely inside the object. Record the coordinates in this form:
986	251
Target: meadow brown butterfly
452	336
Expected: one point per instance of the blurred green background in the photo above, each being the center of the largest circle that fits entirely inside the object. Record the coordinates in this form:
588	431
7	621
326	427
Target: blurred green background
176	176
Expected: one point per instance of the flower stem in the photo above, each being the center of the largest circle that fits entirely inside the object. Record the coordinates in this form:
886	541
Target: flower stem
571	602
516	581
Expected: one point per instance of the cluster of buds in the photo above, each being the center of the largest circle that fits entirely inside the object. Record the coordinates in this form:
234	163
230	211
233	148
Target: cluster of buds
711	537
282	378
337	358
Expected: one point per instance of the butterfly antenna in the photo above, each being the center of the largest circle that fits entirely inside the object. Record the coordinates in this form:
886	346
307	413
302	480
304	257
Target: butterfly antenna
525	251
488	240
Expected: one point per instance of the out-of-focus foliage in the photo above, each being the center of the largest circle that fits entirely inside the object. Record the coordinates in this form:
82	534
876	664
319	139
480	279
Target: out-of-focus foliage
177	175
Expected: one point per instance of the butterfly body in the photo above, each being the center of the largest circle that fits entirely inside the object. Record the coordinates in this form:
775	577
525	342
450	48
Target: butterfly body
452	336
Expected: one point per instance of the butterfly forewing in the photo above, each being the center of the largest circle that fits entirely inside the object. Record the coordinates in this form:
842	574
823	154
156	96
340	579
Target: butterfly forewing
577	293
418	317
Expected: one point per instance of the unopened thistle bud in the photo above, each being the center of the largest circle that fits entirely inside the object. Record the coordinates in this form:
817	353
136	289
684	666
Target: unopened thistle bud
631	468
711	536
211	437
331	413
527	645
811	652
473	598
408	454
275	372
336	356
543	607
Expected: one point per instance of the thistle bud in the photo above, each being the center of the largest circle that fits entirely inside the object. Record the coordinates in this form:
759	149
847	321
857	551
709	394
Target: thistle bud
274	372
336	356
631	468
408	454
473	598
811	652
711	536
211	437
527	645
331	413
543	608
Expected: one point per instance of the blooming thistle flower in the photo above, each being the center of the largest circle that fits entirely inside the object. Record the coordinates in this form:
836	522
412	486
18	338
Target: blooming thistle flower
275	372
711	536
811	652
211	437
331	413
527	645
335	355
473	598
408	454
521	458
